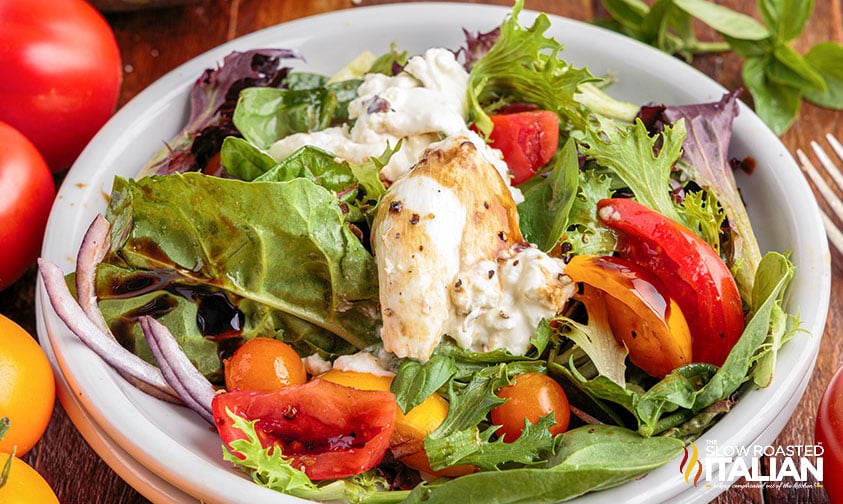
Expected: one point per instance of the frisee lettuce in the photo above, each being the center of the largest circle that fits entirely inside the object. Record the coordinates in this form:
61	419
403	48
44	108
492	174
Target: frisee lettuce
268	467
524	66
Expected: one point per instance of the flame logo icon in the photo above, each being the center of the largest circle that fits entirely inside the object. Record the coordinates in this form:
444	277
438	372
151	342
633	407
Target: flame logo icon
691	467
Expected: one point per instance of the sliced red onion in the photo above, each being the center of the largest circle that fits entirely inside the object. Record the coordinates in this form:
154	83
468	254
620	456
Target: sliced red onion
191	385
140	373
91	253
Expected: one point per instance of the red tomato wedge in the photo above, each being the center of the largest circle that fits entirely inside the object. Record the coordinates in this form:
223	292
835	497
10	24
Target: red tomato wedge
327	430
527	140
641	314
692	272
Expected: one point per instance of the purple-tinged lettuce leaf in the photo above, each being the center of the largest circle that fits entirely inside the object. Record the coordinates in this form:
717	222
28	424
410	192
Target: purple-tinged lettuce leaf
706	158
212	102
476	46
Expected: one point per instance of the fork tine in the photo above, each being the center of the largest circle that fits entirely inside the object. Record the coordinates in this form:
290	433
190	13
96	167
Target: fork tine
826	161
821	185
835	144
834	234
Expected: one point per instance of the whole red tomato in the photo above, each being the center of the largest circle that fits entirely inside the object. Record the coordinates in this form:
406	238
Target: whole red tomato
61	74
829	433
27	191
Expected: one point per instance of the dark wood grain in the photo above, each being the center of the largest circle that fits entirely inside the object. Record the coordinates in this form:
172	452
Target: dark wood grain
154	42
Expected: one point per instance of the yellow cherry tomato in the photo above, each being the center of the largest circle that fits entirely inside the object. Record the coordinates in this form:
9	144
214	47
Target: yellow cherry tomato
24	485
264	364
27	388
357	379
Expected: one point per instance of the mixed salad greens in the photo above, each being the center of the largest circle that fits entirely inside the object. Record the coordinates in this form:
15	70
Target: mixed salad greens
222	242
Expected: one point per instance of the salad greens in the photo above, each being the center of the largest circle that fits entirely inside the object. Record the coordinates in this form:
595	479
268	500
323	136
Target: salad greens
280	248
777	77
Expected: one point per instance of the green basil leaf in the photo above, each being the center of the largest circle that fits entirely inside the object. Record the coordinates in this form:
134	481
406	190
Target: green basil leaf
788	67
826	58
724	20
629	13
785	18
776	104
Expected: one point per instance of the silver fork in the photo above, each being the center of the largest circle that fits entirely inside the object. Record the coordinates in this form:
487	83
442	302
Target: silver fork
835	236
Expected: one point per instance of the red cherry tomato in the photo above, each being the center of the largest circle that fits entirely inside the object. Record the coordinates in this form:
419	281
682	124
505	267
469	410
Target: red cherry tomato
27	191
531	396
61	74
829	433
328	430
691	271
527	140
264	364
641	313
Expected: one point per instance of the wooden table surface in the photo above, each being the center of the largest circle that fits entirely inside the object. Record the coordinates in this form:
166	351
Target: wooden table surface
153	42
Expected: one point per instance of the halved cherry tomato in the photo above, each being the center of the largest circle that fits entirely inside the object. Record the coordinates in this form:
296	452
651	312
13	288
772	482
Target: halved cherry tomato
527	140
641	313
407	441
328	430
829	433
691	271
264	364
530	397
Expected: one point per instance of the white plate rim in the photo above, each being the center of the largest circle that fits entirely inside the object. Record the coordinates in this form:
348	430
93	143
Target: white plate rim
74	361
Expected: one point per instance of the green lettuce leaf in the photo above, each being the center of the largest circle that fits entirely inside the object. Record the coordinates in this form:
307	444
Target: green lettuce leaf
524	66
280	250
588	458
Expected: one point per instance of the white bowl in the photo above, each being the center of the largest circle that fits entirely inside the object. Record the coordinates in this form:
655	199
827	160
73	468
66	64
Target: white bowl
163	447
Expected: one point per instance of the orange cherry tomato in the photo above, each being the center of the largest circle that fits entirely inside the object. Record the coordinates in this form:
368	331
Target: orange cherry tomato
24	485
27	388
641	313
531	396
264	364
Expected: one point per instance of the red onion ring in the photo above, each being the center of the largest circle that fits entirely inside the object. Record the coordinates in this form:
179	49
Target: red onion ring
140	373
191	385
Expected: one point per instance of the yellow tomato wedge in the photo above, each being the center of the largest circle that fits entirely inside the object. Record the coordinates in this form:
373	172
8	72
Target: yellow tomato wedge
641	314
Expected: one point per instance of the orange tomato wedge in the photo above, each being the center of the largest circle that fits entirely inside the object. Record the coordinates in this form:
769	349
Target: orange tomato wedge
641	314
